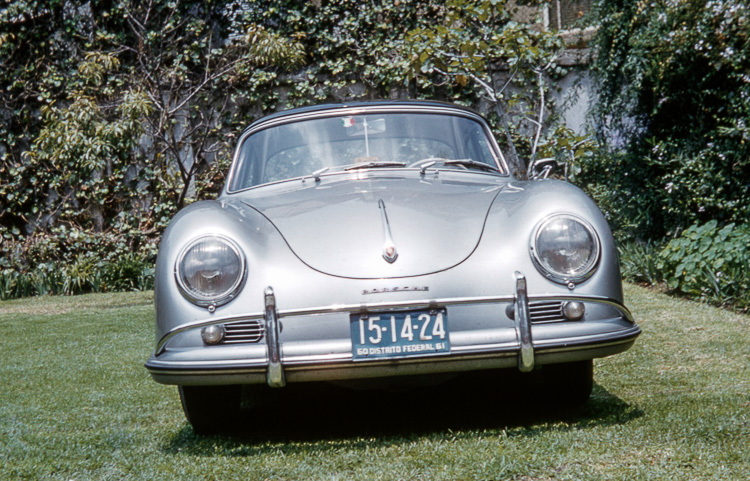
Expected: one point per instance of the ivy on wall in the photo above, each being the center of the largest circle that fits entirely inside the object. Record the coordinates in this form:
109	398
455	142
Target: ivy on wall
115	114
674	103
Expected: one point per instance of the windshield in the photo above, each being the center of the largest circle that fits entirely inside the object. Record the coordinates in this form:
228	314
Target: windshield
396	140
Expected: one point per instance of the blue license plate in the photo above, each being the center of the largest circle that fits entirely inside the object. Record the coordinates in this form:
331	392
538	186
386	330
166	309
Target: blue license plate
391	335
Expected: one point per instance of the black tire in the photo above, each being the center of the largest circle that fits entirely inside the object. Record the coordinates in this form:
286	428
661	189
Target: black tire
211	409
569	384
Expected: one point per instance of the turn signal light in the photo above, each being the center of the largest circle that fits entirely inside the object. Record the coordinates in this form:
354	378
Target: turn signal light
213	334
574	310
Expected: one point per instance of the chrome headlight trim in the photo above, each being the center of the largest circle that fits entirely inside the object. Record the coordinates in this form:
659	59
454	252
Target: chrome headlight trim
223	296
580	273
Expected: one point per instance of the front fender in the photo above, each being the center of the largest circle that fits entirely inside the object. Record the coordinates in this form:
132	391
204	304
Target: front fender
513	219
255	236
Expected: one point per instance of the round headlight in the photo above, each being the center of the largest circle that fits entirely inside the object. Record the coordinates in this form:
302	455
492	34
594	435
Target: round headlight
210	270
565	248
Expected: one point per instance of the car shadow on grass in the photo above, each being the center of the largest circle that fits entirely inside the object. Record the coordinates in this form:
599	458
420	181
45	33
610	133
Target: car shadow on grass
487	403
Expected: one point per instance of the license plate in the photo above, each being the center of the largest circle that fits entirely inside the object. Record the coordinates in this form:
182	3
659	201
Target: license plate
394	335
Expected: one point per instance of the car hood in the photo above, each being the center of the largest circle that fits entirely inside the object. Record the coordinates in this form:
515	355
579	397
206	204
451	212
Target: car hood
342	227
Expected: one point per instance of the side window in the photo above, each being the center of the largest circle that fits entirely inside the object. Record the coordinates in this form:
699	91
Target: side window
477	145
247	169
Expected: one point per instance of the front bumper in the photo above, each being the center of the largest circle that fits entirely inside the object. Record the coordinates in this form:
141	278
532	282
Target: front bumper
524	345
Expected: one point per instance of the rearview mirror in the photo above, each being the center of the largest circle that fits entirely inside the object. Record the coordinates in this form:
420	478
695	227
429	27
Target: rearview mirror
543	168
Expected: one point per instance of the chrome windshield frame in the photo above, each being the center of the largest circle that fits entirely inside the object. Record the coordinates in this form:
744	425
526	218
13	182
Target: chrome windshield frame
355	110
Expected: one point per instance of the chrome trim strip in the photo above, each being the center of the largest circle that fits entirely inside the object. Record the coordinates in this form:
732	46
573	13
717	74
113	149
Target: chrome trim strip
360	109
376	306
275	374
599	340
479	348
390	254
333	362
206	371
523	326
259	366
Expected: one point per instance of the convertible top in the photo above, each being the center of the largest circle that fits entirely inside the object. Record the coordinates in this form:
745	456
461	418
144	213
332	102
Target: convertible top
354	105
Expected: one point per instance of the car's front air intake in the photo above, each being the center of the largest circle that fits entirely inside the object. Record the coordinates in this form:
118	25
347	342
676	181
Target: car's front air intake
244	332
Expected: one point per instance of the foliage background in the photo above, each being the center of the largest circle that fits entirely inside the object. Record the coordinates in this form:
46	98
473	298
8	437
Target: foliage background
673	116
115	114
674	92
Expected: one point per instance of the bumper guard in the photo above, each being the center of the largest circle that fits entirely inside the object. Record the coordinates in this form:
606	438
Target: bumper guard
275	376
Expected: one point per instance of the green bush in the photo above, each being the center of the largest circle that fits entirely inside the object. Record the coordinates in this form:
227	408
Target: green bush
115	115
710	262
83	276
640	262
71	261
673	104
706	261
629	200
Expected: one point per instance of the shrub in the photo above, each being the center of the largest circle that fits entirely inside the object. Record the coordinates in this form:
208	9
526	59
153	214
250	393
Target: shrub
71	261
684	144
710	262
640	262
128	273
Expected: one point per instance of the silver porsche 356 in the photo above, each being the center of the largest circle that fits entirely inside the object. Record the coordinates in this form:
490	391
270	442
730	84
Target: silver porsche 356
373	241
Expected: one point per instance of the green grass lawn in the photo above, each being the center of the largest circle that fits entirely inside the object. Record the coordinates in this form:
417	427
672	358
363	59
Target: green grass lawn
77	404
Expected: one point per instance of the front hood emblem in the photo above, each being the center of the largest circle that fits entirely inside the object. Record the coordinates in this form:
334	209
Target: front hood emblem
390	254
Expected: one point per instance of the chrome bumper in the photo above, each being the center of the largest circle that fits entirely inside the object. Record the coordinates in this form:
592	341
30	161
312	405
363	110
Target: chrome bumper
524	353
523	326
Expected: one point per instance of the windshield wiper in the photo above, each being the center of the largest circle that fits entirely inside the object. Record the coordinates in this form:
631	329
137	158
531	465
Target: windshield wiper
375	165
472	163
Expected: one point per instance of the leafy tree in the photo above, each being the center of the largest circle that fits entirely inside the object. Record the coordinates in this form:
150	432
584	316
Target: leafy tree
116	113
112	115
187	67
131	96
478	45
674	99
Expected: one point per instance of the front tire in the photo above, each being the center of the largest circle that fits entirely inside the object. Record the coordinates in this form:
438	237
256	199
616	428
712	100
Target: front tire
211	409
569	384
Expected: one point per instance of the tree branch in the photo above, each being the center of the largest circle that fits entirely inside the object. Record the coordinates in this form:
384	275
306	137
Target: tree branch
539	124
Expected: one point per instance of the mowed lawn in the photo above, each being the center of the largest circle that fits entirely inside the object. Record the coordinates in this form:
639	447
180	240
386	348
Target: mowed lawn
77	404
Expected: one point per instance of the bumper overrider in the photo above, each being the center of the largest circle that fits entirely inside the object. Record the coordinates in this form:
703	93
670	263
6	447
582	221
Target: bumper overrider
524	345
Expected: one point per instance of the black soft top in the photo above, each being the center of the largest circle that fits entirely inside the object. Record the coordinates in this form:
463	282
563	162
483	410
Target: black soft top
311	109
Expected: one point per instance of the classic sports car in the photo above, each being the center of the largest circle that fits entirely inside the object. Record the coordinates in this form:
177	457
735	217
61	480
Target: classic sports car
375	241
